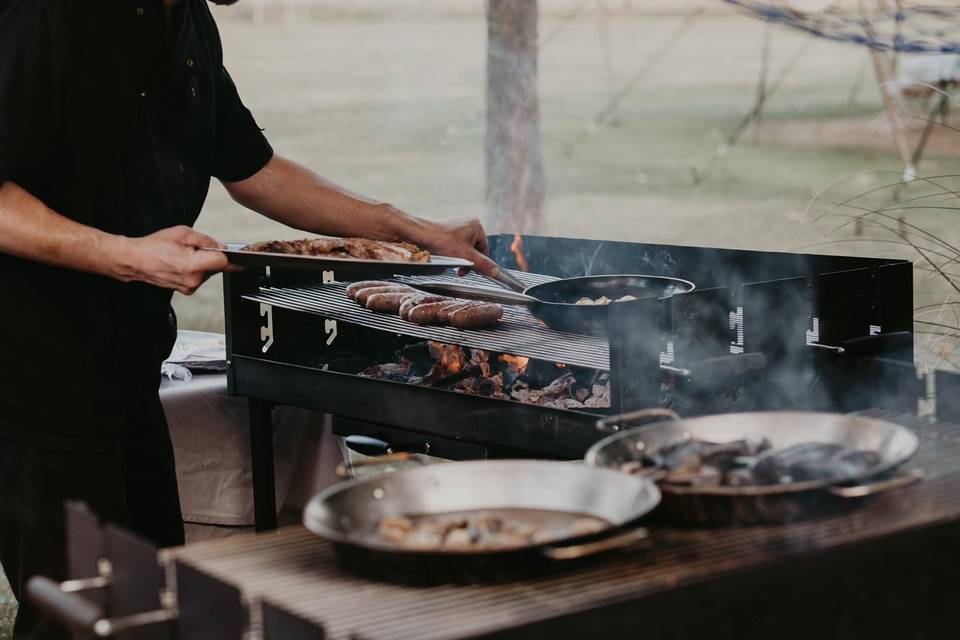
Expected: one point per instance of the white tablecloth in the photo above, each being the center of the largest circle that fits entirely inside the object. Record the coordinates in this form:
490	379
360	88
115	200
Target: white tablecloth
210	437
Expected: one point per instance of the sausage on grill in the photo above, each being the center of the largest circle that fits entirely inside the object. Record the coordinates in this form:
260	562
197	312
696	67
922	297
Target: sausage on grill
385	302
426	313
476	317
363	294
354	289
443	315
424	298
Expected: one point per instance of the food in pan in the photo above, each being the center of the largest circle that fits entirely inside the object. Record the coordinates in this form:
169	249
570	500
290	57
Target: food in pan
605	300
699	463
479	530
359	248
423	308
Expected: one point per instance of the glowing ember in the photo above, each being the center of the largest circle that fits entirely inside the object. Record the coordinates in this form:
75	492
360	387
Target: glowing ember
518	362
448	356
517	248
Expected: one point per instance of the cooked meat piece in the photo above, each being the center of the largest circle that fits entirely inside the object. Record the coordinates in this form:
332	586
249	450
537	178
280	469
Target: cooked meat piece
379	250
480	316
424	298
426	313
395	528
306	247
586	525
364	294
361	248
385	302
354	289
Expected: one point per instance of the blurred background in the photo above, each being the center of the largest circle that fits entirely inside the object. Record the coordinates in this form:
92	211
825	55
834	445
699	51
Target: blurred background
662	121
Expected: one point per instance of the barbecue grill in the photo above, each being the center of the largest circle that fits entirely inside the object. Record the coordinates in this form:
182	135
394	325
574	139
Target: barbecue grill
761	331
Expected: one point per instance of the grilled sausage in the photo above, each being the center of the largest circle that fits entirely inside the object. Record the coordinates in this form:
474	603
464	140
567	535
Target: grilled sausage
385	302
476	317
426	313
423	298
354	289
443	316
364	294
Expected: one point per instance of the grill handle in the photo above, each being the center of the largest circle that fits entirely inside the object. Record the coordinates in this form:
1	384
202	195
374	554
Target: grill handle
482	294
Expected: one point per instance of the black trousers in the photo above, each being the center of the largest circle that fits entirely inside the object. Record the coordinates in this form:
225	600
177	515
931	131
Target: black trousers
127	478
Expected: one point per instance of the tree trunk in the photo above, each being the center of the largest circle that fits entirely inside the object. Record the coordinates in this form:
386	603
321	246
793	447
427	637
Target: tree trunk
513	163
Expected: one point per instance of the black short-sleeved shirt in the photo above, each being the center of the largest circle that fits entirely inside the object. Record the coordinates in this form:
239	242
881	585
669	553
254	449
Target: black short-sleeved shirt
114	114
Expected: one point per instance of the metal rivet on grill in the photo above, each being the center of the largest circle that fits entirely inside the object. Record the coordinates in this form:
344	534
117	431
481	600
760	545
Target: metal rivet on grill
189	62
378	493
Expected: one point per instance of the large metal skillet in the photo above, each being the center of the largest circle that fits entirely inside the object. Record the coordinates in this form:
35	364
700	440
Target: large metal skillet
747	505
555	302
553	494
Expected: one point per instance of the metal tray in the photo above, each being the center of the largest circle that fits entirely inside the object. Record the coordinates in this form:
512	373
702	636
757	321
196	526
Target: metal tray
340	266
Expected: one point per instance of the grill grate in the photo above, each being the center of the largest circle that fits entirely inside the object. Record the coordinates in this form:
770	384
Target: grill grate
296	570
519	333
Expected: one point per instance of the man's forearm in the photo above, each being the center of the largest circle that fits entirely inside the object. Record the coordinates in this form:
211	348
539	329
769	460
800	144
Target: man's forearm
168	258
29	229
296	196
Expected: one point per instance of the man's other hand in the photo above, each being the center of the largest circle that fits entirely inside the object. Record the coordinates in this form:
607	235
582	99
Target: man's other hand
461	238
171	259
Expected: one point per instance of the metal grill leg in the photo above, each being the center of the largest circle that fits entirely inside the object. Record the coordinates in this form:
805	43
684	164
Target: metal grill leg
261	457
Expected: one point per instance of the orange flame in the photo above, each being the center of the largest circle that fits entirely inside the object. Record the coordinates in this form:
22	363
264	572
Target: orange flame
519	362
517	247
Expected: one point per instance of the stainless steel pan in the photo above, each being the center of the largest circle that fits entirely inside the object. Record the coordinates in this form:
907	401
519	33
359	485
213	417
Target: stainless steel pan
555	302
348	515
764	503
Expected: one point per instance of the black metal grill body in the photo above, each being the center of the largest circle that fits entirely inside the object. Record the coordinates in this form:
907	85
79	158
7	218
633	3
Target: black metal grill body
293	338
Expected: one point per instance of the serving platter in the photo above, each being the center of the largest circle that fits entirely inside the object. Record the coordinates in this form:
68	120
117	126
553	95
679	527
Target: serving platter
342	267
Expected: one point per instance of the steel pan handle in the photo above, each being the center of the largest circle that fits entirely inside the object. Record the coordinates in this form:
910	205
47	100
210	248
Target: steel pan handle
872	488
481	294
506	279
613	424
576	551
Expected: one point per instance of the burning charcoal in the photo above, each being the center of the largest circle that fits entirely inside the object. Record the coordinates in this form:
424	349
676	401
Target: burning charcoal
581	394
559	387
599	391
597	403
572	403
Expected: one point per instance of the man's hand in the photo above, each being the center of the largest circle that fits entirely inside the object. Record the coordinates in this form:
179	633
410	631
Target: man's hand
460	238
170	259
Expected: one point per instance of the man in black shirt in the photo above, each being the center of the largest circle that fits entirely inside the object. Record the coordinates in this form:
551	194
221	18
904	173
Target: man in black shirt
114	115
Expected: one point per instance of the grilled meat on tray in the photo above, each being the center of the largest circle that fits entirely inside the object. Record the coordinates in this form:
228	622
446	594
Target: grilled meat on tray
359	248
